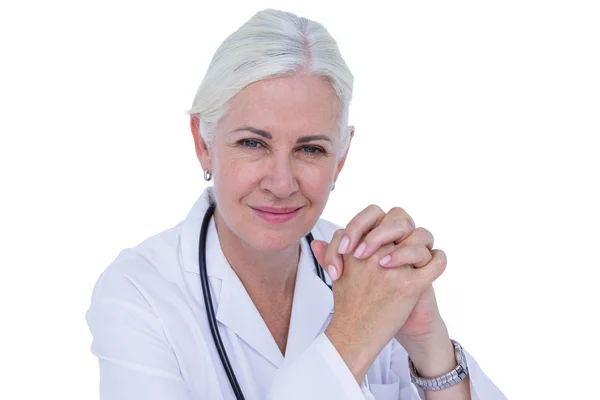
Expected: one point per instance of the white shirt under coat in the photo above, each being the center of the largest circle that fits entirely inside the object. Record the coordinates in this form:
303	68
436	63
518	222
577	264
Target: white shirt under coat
152	338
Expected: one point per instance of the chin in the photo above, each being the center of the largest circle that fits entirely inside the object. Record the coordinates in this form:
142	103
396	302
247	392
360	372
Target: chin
276	237
272	242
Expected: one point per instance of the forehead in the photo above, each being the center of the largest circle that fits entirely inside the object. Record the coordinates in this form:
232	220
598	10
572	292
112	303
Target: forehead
296	105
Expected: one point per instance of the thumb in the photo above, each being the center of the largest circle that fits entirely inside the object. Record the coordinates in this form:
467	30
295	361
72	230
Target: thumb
319	248
334	267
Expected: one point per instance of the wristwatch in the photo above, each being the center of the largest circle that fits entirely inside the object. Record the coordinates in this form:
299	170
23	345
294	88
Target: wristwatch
445	381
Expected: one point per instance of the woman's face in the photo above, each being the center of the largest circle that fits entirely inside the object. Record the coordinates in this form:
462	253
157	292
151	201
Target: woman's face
274	159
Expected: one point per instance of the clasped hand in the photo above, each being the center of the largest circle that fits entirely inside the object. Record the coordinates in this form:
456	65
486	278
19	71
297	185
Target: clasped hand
383	268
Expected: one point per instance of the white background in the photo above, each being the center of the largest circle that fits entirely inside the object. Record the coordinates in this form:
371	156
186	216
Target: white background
481	119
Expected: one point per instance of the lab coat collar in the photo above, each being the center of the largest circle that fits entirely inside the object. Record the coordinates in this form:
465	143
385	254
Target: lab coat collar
312	303
312	306
190	236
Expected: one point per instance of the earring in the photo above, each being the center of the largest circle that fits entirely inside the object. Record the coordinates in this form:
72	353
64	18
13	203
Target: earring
207	175
333	186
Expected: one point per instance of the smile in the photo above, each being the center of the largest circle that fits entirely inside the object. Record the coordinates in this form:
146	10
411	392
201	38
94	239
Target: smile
276	215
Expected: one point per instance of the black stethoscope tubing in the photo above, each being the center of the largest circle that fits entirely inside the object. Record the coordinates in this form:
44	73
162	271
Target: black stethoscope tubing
210	311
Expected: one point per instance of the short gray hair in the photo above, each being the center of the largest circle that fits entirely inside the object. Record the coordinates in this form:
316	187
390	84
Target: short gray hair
272	43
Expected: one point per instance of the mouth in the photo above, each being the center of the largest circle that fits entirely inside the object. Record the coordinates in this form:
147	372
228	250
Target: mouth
274	215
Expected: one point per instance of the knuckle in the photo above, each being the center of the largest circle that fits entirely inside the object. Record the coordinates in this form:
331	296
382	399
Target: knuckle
375	208
424	252
398	220
439	262
402	223
443	258
415	252
401	213
425	233
422	231
405	253
441	254
397	210
421	236
401	255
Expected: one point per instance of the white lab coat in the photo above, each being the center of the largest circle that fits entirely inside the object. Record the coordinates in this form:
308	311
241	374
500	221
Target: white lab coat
153	342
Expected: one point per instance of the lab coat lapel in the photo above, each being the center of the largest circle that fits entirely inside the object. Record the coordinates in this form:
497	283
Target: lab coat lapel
312	306
235	309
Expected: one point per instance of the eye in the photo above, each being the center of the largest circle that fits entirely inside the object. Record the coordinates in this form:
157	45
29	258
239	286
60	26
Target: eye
250	143
313	150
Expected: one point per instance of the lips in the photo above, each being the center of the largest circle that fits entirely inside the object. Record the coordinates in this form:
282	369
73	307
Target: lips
274	210
273	215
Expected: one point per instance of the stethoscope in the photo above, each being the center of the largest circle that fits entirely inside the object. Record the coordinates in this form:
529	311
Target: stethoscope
212	321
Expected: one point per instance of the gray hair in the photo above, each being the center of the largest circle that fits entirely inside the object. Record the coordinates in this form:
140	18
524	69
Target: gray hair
272	43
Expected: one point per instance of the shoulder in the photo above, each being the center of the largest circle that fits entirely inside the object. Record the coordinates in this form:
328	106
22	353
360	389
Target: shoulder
137	270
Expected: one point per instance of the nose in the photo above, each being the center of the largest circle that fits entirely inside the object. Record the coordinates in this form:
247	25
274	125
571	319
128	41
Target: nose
280	177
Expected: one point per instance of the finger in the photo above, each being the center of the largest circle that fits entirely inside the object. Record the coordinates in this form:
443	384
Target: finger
319	247
359	226
418	256
419	236
380	253
434	268
401	212
394	228
333	262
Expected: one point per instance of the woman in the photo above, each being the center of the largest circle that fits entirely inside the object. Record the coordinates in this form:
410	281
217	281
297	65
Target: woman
230	303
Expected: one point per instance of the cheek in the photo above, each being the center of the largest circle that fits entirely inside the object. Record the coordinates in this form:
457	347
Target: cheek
316	183
236	174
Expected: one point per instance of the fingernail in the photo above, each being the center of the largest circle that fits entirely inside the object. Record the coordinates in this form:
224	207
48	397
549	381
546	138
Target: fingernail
385	260
344	245
361	249
332	273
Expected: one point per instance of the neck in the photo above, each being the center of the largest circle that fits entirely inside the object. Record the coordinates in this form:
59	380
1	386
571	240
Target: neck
271	274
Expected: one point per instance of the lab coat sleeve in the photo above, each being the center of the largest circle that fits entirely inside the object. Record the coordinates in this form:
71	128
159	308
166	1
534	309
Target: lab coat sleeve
482	388
319	373
136	360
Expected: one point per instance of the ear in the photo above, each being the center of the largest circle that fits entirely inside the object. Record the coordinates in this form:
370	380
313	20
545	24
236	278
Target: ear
202	151
343	159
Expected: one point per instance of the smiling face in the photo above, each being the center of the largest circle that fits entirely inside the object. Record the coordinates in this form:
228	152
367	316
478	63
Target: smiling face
274	158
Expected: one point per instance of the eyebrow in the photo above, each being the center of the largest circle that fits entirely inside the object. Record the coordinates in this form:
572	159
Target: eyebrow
267	135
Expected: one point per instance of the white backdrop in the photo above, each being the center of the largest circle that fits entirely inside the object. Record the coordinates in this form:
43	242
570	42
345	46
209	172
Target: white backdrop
479	118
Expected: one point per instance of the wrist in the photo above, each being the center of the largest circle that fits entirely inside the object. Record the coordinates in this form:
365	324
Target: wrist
356	353
433	354
436	361
457	377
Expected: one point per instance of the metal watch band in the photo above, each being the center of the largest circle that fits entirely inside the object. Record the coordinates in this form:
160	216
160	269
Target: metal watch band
458	374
